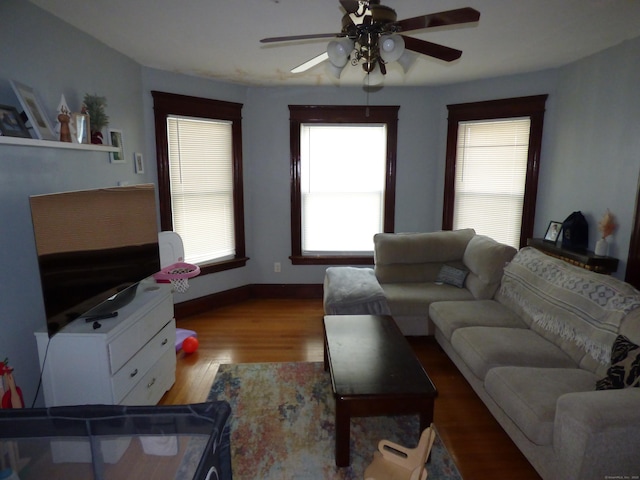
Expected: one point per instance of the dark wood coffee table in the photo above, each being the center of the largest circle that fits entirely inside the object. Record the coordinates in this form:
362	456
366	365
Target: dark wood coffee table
373	372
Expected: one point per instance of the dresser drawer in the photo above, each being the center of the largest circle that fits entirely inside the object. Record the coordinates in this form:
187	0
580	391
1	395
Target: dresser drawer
159	379
130	374
125	345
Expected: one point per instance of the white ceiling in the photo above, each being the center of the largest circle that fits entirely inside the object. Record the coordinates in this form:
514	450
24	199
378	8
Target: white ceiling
220	39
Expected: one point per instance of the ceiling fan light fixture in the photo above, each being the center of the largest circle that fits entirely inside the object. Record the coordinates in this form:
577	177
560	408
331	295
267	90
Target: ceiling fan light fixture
339	51
391	48
334	71
406	60
374	77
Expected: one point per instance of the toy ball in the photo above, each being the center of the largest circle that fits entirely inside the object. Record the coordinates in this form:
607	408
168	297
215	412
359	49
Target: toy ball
190	344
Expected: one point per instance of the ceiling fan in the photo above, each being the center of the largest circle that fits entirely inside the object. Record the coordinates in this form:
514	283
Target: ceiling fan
372	35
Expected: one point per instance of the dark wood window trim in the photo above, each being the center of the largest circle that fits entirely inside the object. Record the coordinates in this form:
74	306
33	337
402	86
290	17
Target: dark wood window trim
532	107
165	104
632	274
300	114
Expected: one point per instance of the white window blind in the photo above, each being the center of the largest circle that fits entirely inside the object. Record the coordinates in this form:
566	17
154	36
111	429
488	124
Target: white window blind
201	177
342	182
491	169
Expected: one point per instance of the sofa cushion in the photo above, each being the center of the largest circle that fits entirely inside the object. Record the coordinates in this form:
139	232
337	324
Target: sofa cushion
485	258
452	276
484	348
417	257
625	366
451	315
529	395
409	299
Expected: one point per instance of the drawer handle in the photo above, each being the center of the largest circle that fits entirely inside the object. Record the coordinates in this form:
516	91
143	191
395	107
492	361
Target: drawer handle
150	384
134	373
165	341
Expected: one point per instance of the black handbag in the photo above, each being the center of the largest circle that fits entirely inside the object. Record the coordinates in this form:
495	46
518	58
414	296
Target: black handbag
575	232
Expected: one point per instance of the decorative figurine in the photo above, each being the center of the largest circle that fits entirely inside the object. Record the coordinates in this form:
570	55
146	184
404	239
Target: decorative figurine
64	118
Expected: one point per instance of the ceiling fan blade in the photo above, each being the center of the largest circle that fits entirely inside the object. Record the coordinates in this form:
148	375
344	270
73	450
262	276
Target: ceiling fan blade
431	49
310	63
350	6
450	17
300	37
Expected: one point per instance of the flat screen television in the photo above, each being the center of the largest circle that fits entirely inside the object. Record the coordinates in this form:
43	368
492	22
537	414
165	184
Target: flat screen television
93	247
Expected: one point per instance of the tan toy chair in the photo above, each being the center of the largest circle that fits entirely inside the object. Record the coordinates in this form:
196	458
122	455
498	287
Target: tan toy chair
395	462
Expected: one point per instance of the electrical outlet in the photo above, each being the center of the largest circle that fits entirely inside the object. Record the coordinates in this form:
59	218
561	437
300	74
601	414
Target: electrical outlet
277	267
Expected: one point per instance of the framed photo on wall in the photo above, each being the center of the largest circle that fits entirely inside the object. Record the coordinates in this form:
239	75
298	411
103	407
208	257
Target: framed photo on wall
35	113
138	162
11	124
553	231
115	140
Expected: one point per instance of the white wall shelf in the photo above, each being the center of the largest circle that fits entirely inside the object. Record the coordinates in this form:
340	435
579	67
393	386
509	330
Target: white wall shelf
31	142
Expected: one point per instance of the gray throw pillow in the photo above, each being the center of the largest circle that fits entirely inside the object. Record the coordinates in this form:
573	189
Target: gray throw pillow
452	276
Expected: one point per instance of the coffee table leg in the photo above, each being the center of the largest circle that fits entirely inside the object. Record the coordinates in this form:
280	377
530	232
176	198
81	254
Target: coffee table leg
326	358
343	433
426	415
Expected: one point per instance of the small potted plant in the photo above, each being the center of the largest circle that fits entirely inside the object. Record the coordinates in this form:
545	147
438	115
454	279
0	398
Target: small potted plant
94	105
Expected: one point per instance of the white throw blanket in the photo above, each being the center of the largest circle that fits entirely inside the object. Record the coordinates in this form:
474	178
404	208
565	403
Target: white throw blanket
578	305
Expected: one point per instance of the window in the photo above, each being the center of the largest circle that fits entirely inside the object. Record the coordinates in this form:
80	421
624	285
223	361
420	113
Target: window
493	153
198	142
343	181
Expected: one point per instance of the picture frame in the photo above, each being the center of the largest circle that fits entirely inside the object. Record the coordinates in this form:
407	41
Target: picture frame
81	127
116	140
138	162
553	232
11	124
34	111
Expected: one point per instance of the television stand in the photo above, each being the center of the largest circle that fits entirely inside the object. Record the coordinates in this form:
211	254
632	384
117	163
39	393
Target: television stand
129	360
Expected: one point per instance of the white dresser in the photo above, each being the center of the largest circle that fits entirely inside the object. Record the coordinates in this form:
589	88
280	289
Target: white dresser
129	359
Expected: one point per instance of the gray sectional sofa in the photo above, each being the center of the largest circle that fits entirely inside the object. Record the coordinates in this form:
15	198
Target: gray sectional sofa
550	348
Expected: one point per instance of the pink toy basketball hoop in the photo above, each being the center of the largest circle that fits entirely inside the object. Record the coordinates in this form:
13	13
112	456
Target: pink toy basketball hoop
178	274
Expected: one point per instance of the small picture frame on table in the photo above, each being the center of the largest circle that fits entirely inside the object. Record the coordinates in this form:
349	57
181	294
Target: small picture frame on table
11	124
34	111
138	161
553	232
115	140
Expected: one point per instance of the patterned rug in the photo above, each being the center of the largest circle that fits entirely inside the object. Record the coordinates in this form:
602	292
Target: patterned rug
283	426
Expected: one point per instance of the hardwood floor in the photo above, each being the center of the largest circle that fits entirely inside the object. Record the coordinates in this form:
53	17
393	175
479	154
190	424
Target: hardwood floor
290	330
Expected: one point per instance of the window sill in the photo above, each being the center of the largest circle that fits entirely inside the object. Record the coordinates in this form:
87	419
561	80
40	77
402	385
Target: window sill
331	260
224	265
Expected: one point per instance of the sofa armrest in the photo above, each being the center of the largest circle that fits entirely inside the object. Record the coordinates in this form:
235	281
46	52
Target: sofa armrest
596	434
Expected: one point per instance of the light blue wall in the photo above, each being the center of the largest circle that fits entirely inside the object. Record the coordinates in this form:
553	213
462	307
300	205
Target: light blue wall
589	157
594	162
54	59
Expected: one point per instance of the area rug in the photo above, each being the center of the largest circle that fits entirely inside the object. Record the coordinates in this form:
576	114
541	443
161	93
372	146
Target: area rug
283	426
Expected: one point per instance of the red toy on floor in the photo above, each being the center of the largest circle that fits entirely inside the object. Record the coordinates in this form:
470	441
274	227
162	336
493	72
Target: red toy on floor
190	345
